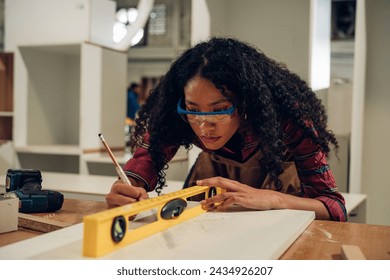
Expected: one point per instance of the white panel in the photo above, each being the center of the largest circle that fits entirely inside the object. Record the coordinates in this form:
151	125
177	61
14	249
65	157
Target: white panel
20	96
358	92
6	158
59	21
91	95
340	107
263	235
376	128
200	21
46	21
114	97
102	21
200	30
103	96
319	68
53	94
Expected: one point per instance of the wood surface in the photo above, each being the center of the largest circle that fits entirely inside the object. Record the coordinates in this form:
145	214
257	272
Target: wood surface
18	235
72	212
27	221
322	240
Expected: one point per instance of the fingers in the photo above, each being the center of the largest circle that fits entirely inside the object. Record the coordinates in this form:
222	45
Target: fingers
223	200
224	183
226	204
121	194
143	194
220	201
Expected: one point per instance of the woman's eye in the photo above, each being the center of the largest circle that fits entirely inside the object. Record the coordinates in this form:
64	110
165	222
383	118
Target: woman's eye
219	110
192	110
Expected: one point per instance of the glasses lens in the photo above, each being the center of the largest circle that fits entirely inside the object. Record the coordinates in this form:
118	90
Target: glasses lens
220	117
214	119
184	117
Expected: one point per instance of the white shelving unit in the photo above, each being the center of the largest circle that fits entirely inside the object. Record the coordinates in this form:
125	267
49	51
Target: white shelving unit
73	93
68	87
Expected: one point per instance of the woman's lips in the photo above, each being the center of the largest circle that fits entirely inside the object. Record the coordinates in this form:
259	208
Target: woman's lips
209	139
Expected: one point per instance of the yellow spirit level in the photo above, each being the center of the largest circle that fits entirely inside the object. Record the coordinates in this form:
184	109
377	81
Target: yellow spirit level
109	230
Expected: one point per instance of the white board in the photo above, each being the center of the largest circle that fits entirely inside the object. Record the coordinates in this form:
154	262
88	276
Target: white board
249	235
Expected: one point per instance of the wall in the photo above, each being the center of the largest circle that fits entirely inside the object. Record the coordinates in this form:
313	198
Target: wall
269	25
1	25
376	127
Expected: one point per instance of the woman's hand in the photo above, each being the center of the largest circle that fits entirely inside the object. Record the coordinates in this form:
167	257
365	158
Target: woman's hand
260	199
238	194
121	194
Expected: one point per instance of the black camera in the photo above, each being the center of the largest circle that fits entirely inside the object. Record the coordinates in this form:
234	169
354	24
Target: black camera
25	184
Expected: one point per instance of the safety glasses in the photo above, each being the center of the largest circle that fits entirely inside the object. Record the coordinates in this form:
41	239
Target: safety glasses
197	118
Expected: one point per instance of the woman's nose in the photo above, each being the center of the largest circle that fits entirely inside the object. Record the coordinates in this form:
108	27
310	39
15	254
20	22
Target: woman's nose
206	124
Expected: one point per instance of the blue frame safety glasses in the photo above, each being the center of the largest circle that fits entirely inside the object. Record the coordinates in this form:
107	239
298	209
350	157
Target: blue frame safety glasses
197	118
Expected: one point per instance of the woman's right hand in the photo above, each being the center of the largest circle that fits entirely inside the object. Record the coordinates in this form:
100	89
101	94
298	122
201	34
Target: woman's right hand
121	194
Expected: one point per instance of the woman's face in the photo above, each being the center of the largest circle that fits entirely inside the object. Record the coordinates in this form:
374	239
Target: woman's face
202	96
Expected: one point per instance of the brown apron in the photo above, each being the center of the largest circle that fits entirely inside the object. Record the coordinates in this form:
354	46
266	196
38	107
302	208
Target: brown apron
249	172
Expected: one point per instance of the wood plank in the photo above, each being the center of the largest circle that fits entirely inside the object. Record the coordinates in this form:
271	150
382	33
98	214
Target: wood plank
322	240
352	252
40	224
6	81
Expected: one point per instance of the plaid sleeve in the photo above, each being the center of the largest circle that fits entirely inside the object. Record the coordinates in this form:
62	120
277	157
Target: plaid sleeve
140	166
317	180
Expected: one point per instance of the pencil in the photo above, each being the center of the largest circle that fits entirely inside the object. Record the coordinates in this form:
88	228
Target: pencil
118	168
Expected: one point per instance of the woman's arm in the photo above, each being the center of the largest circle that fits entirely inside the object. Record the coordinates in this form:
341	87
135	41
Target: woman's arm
259	199
316	177
141	173
140	167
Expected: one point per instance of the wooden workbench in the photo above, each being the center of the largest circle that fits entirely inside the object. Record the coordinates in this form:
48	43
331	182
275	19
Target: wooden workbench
223	235
72	212
322	240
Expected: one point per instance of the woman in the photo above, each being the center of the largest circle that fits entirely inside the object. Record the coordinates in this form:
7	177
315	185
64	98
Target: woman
262	130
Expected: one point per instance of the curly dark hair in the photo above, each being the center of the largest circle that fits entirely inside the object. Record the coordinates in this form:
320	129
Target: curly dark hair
264	90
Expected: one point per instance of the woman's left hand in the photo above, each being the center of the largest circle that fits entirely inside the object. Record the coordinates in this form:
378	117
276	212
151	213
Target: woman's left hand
238	194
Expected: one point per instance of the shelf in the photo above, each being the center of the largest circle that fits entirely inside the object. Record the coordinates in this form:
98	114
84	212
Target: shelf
154	53
53	94
6	114
103	157
70	95
101	164
50	149
123	157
